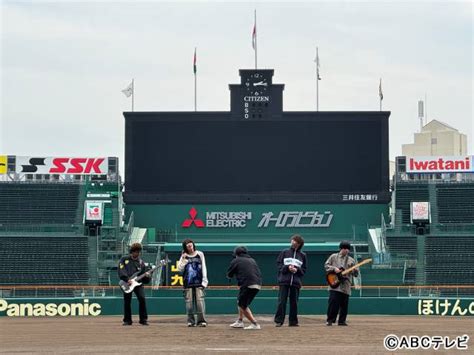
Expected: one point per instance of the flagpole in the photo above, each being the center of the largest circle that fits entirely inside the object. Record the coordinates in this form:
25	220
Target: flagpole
426	108
380	104
255	26
380	94
195	80
317	80
133	93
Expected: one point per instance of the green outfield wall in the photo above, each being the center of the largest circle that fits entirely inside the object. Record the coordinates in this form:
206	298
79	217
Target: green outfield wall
257	223
170	302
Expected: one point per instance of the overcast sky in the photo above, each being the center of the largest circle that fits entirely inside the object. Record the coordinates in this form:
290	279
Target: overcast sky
64	64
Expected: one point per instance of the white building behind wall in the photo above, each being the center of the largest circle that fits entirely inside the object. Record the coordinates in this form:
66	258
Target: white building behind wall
437	138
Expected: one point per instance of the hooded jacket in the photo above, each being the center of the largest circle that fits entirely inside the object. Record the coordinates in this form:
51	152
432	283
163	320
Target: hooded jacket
291	257
244	268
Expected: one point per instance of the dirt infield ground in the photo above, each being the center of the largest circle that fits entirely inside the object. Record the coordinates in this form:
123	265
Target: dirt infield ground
170	335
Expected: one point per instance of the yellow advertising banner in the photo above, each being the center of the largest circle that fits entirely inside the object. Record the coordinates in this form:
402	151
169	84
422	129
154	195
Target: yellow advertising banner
3	164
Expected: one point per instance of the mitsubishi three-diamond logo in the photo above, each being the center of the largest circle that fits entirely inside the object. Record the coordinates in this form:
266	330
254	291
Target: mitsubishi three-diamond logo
189	222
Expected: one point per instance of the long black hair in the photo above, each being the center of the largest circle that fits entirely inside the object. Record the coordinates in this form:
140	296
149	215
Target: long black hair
186	242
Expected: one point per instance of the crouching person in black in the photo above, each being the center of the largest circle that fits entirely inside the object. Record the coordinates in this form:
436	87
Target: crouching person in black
249	278
128	266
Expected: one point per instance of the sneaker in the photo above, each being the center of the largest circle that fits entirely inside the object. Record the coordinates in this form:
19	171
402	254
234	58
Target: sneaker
144	322
237	324
293	325
191	324
203	324
127	323
278	325
343	324
328	324
252	327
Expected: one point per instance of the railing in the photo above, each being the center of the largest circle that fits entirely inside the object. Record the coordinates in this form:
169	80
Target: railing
21	229
463	179
60	180
66	291
129	230
438	228
454	228
174	236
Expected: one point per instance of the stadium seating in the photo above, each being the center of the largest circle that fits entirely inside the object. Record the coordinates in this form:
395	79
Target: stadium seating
24	203
407	193
449	260
44	260
443	255
402	247
455	203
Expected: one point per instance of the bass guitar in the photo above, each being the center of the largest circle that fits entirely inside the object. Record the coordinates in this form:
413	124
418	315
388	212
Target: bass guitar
135	279
334	279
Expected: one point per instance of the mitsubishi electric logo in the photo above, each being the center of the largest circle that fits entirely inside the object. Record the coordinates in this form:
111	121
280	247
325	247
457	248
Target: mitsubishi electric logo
189	222
218	219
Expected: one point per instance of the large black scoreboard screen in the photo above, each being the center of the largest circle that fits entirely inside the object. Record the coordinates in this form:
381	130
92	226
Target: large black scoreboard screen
314	157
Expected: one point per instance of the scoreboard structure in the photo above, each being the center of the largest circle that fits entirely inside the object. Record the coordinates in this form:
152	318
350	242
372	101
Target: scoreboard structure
256	153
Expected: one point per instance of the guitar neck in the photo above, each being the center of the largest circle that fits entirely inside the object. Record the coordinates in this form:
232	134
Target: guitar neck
143	275
363	262
152	270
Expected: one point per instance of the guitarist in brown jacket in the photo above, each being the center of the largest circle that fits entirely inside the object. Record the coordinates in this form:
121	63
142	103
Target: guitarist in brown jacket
339	297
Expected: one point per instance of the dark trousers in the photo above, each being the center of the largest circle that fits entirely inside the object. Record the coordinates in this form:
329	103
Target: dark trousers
127	304
284	292
338	303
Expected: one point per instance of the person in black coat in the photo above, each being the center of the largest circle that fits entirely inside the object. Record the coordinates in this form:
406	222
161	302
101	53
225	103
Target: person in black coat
249	278
291	264
128	266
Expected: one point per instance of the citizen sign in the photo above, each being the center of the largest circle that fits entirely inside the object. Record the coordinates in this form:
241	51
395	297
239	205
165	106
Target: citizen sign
257	98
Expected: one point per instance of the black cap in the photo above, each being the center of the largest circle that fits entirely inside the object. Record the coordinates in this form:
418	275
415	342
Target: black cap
344	245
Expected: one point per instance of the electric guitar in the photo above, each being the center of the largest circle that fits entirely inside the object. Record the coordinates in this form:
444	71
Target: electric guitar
334	279
135	278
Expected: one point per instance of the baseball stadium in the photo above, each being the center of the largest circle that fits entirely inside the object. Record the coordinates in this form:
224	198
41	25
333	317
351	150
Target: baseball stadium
253	176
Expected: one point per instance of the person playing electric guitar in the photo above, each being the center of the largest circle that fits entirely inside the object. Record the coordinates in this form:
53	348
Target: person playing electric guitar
128	266
339	296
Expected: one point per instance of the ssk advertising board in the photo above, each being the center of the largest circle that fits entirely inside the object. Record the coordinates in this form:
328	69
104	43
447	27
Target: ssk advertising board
62	165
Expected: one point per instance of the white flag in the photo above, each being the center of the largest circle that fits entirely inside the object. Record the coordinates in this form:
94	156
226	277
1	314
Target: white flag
380	90
254	36
128	91
316	60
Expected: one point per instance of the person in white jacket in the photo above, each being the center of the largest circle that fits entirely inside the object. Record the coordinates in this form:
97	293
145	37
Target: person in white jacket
192	264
